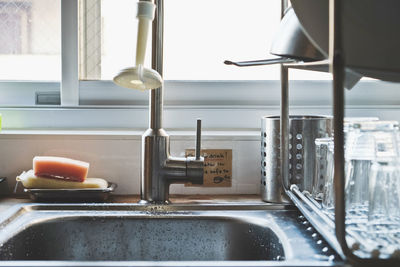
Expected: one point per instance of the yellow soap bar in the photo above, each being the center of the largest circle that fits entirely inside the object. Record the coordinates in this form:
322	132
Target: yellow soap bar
30	180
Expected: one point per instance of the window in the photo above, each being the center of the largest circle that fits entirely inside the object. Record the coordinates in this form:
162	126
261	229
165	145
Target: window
30	37
197	39
51	64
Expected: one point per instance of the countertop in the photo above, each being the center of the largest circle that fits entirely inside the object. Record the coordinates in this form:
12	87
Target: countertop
7	202
196	199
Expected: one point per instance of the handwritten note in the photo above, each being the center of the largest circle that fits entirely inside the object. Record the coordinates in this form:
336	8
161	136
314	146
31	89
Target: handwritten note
217	167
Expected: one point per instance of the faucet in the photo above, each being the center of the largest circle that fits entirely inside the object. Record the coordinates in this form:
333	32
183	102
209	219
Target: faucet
158	168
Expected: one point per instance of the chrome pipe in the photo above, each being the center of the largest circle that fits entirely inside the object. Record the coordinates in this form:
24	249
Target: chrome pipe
337	68
284	124
157	52
284	127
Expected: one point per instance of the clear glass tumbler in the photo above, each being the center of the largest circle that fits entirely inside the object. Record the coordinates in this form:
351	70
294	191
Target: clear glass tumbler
384	182
359	156
372	180
328	195
323	165
328	198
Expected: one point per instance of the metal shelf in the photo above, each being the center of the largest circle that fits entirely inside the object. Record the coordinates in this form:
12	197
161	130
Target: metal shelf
322	65
361	245
333	228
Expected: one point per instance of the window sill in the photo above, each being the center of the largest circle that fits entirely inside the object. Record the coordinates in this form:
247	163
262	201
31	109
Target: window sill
220	104
122	134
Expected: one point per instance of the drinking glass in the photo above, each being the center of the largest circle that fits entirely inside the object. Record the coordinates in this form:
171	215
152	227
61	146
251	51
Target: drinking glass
323	165
384	182
372	185
384	201
328	198
359	156
371	182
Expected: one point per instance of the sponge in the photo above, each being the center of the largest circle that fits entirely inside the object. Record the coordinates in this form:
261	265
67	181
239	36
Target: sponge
30	180
60	168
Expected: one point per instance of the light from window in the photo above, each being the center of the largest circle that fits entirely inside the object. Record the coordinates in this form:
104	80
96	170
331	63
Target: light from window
199	35
30	40
108	30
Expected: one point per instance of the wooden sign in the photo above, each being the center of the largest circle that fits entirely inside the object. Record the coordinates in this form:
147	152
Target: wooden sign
217	167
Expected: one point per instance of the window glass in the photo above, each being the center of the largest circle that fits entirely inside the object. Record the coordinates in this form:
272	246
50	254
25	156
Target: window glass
30	40
201	35
198	36
108	30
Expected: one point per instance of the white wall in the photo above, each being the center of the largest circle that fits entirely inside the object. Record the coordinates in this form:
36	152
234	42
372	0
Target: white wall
115	156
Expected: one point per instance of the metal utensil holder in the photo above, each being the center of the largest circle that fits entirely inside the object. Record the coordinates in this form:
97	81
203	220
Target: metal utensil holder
335	232
304	129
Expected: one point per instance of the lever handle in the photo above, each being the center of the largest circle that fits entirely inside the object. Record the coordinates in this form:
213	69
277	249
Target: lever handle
198	139
279	60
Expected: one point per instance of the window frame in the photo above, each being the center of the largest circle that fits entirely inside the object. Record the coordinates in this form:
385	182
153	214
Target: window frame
222	104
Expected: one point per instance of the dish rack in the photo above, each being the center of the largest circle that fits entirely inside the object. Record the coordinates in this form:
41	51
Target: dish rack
347	243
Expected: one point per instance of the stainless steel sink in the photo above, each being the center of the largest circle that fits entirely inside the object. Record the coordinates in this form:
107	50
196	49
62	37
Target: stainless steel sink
78	234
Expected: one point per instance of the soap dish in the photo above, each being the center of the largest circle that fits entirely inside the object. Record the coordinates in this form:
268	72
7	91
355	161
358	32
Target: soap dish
71	195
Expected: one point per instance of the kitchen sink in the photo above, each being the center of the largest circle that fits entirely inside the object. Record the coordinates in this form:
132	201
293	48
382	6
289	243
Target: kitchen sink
217	234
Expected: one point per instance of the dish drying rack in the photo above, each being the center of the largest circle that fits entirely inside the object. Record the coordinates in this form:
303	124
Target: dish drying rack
349	244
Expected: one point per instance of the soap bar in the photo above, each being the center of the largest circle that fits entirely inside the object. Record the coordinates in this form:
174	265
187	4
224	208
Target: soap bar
30	180
60	168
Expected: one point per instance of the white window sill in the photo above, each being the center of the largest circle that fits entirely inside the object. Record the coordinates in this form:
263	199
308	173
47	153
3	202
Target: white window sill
134	134
220	104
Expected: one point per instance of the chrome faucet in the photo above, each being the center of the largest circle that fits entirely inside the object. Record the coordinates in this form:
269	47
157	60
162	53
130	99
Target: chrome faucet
158	168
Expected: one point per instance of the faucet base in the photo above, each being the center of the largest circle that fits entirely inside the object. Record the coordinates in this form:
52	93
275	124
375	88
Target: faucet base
160	169
147	202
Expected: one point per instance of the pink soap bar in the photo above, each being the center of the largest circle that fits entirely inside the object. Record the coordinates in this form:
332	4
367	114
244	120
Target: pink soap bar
60	168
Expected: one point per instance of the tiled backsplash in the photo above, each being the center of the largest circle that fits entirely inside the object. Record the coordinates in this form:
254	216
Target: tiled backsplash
115	156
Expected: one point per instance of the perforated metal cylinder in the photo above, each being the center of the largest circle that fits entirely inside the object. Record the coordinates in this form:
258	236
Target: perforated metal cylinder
303	130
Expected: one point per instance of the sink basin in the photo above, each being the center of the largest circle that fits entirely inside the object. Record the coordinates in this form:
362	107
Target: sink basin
133	232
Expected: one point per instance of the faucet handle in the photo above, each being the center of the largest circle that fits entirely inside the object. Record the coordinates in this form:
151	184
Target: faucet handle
198	139
195	166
